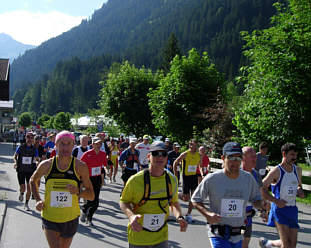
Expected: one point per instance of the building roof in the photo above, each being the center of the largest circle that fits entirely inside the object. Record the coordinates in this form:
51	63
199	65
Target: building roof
4	69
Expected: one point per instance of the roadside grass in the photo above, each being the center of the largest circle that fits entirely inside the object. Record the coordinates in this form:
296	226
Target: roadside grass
306	200
304	166
305	180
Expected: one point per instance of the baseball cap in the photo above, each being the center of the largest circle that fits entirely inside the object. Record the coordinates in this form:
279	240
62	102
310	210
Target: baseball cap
176	144
96	140
133	140
231	148
167	140
157	146
146	137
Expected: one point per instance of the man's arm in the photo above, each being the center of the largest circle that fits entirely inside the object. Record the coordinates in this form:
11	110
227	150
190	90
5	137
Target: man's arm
300	192
211	217
87	192
43	169
177	162
179	218
133	218
272	177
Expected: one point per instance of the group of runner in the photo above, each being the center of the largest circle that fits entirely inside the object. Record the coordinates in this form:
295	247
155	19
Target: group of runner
151	174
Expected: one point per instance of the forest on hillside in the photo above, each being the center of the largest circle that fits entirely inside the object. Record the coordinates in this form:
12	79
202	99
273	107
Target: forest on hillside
137	31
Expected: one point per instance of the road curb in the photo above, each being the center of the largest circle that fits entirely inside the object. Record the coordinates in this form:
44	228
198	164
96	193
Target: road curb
2	215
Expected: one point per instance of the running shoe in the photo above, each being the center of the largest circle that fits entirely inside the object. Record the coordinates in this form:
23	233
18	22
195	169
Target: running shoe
83	217
21	197
90	223
189	218
26	207
114	179
263	242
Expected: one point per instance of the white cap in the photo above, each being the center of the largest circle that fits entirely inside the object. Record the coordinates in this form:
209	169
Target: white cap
133	140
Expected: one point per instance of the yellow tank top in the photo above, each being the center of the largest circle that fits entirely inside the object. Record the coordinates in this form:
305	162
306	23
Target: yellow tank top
190	163
59	205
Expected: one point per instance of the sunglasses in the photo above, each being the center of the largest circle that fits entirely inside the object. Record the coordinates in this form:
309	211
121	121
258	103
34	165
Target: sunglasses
231	158
159	153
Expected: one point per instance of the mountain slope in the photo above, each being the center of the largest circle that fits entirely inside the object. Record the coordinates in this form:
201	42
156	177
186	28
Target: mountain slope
10	48
138	29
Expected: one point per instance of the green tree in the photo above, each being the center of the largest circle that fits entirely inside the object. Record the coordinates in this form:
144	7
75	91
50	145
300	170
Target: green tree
124	98
24	119
43	119
276	103
179	103
169	52
62	121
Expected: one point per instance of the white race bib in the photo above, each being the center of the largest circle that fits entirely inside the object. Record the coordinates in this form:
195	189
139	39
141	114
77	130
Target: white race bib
114	153
262	172
135	166
153	222
289	194
204	170
232	208
61	199
96	171
192	168
26	160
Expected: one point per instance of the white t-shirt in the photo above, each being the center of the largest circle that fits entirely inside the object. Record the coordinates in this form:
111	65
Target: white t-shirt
143	151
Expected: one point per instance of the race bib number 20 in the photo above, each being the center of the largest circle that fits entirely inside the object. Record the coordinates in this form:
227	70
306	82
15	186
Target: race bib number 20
232	208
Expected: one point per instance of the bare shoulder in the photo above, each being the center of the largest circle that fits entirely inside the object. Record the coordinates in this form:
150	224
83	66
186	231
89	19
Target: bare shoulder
44	166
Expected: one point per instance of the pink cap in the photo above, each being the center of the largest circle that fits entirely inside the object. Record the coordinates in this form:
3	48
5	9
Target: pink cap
64	134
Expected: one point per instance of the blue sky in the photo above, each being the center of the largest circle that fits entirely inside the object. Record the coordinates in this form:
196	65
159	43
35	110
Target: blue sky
34	21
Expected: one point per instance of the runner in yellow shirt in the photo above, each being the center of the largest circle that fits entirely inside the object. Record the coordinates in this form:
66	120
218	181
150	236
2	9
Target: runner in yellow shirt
145	201
60	208
191	160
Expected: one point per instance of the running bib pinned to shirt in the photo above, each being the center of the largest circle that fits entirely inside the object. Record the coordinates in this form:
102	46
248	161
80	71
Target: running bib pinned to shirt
232	208
192	168
61	199
114	153
135	166
153	222
289	195
96	171
26	160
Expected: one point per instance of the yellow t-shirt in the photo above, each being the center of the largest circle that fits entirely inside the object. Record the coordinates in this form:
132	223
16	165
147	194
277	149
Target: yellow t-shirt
190	163
133	193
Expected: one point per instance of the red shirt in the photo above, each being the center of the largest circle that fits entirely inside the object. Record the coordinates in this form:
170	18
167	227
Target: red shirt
94	161
204	165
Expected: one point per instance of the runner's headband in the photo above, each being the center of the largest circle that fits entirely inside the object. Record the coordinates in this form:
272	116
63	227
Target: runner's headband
64	134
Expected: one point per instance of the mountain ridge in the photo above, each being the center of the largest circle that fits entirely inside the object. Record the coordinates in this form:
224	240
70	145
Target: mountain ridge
11	48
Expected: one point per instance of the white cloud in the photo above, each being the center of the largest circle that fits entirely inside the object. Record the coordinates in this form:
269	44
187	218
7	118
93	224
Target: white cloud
34	28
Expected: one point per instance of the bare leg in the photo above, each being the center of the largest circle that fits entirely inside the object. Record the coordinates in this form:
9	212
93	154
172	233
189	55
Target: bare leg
287	235
245	242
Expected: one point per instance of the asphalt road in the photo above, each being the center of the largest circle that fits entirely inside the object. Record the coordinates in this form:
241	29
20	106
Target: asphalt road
22	229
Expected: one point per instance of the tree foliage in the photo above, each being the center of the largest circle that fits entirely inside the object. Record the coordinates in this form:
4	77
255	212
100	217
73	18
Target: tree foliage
124	98
62	121
276	104
169	52
179	102
24	119
43	119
